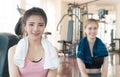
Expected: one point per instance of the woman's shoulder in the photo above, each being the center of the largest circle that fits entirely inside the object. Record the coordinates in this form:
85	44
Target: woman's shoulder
12	50
47	42
99	41
83	40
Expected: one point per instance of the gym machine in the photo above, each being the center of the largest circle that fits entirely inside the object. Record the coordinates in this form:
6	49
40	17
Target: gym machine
74	28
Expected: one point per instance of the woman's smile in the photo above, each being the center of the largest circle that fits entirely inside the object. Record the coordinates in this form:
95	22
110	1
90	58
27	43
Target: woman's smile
35	34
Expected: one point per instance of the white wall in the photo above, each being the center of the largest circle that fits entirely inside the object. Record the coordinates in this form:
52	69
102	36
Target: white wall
8	15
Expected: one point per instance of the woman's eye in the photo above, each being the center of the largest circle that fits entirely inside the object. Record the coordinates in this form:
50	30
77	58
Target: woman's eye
95	28
41	25
90	28
31	24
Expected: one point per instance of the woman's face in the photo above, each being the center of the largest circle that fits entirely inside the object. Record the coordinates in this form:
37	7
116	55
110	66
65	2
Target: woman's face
91	30
35	26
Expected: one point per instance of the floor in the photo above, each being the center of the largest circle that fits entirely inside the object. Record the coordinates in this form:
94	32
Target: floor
114	65
68	66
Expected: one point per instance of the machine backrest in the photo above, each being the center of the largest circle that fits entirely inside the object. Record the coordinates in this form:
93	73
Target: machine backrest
6	41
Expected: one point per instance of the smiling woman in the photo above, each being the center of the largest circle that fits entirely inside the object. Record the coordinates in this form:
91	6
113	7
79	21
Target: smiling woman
33	56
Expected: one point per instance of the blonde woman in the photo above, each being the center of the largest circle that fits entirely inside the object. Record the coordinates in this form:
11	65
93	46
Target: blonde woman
92	55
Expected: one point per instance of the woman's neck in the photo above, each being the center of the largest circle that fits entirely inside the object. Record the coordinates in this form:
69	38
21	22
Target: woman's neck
35	42
91	40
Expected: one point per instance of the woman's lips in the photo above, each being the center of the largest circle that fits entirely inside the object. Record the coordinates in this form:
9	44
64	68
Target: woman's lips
36	34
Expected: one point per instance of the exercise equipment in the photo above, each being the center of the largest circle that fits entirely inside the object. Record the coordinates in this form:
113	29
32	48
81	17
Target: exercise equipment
71	28
7	40
102	13
74	27
75	11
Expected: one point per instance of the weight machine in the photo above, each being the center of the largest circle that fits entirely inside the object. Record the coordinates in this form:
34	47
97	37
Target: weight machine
75	26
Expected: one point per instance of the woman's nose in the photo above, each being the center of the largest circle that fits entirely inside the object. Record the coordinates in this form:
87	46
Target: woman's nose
35	28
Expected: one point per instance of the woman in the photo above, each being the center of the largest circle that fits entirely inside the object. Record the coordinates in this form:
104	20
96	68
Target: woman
92	55
33	56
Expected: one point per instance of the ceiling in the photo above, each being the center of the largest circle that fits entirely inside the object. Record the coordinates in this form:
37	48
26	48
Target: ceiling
107	2
95	5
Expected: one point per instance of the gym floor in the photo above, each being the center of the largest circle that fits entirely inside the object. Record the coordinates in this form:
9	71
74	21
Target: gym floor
68	66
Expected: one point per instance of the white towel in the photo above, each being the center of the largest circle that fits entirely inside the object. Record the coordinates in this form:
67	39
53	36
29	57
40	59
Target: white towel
51	57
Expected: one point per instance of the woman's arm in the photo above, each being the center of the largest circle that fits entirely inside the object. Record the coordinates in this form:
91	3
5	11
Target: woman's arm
105	67
52	73
13	70
82	68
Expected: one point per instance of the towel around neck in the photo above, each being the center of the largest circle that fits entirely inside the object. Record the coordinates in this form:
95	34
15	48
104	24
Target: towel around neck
83	51
51	57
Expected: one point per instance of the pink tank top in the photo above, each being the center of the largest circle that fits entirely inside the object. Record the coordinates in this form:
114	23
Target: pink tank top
33	69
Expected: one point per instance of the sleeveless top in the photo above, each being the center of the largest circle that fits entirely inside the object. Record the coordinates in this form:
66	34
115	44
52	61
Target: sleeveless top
96	63
33	69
